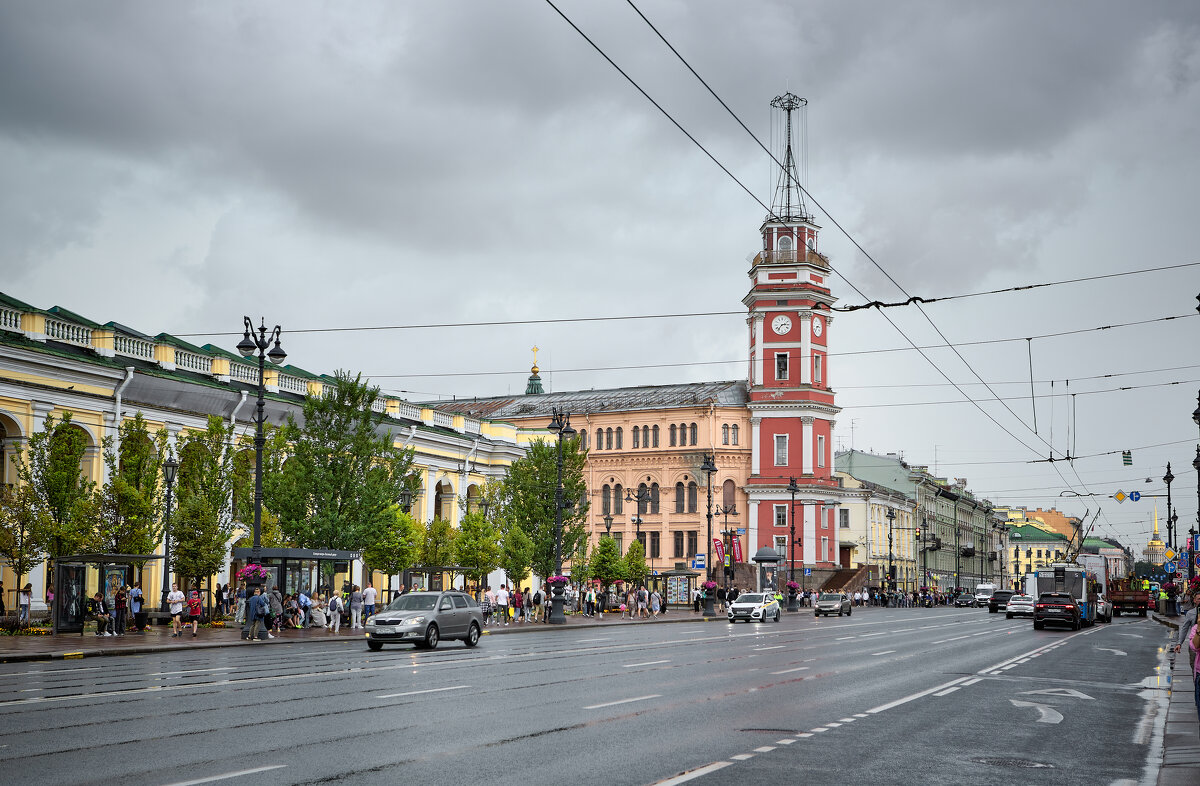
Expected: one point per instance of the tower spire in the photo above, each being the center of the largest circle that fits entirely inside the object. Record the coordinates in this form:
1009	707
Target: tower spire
534	385
788	204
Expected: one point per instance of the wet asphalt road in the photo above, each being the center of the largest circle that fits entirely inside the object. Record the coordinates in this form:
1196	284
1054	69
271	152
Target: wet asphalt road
926	696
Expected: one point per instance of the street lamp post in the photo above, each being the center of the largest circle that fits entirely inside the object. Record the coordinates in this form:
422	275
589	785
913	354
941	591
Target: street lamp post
728	535
891	582
792	489
709	468
256	341
1196	464
560	424
608	520
169	468
1167	478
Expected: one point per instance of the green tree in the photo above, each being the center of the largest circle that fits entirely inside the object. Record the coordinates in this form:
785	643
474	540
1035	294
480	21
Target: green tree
125	512
476	547
527	500
635	563
606	563
203	525
344	471
516	554
437	549
51	465
25	526
396	546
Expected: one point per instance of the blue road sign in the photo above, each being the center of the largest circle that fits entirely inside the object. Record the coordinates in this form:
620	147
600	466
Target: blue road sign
808	571
1169	567
1136	496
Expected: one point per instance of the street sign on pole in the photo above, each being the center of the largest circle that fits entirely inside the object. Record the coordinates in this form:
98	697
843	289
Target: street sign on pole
1120	496
1136	496
1169	553
808	571
1169	567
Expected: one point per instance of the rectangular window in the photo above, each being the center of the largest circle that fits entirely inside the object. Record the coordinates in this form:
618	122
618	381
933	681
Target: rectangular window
692	538
641	538
817	369
781	515
654	545
678	545
781	365
843	519
820	450
781	546
824	549
636	435
781	450
619	538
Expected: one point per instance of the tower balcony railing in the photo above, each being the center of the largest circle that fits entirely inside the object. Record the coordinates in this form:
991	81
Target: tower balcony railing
133	347
201	364
293	384
68	332
791	257
10	319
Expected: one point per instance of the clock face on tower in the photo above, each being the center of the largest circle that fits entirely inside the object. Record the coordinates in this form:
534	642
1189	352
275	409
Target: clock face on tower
781	324
817	326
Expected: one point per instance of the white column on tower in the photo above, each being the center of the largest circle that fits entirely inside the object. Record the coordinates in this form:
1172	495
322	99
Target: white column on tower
759	353
752	532
810	533
756	446
806	448
806	348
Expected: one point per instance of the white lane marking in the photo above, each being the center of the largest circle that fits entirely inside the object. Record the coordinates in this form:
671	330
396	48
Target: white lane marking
742	756
819	729
765	749
803	734
846	720
1009	666
647	663
788	741
982	633
903	630
419	692
789	671
29	690
776	647
913	696
956	638
602	638
1045	713
947	691
693	774
972	681
1108	649
833	725
845	638
57	671
861	715
623	701
228	775
868	635
188	671
885	652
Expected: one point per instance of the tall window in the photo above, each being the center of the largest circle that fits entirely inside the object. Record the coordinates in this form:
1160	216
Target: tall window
733	430
817	368
781	544
619	434
781	515
654	498
606	500
781	365
679	497
654	548
637	433
678	544
619	538
656	436
641	506
781	450
608	435
824	549
820	450
672	435
728	489
695	432
724	433
646	437
583	438
641	538
843	518
692	538
693	493
618	502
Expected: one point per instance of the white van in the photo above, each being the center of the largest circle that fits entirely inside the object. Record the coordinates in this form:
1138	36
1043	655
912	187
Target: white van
983	593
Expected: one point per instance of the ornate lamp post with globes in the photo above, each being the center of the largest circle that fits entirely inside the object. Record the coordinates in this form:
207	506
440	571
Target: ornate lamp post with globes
560	424
709	468
793	489
169	468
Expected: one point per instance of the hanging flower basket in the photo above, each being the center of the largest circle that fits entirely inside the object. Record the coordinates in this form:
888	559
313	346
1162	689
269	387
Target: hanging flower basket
557	580
253	573
709	585
793	587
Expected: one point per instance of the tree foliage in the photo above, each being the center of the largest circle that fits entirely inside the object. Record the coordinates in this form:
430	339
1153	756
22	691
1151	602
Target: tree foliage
437	549
125	513
51	465
527	500
476	547
396	546
343	475
202	525
25	526
635	563
606	563
516	554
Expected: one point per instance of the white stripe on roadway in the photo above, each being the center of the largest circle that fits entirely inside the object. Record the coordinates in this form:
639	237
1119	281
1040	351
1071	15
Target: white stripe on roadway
623	701
913	696
885	652
696	773
228	775
776	647
647	663
789	671
418	692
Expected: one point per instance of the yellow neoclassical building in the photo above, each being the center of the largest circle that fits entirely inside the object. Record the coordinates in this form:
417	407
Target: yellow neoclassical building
54	361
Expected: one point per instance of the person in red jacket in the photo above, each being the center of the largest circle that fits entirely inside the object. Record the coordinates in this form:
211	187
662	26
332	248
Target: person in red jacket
195	607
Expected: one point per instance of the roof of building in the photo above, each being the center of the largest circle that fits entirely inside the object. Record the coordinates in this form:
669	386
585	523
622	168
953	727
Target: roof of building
723	394
1026	533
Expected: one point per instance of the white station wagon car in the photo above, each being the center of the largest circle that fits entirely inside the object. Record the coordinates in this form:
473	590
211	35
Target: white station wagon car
754	607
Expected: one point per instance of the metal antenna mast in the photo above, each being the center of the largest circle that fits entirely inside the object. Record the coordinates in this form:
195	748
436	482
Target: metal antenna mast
789	196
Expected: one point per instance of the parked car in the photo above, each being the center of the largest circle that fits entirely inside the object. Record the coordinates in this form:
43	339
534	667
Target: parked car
965	600
1019	604
999	600
426	618
831	602
754	607
1056	607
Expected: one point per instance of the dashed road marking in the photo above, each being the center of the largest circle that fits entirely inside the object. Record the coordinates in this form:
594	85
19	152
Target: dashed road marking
623	701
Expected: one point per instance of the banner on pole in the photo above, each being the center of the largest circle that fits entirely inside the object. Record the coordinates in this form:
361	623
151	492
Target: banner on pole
737	549
718	551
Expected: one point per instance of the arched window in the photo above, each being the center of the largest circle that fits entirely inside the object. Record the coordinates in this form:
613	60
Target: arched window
608	435
618	501
693	493
725	434
606	500
694	433
679	497
641	506
646	437
733	430
620	433
637	433
656	436
672	435
654	498
728	491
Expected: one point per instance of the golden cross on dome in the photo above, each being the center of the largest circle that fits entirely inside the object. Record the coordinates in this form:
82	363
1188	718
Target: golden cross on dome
535	365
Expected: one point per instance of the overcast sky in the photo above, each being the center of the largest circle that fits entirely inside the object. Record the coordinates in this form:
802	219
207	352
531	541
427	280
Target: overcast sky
173	166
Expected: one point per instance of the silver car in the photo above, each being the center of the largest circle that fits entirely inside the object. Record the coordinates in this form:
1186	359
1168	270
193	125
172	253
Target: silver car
1019	604
833	603
425	618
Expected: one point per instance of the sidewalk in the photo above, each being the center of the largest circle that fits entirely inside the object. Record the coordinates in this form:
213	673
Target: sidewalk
1181	738
15	649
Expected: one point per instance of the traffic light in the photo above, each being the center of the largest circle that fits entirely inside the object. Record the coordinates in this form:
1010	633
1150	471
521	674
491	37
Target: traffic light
918	533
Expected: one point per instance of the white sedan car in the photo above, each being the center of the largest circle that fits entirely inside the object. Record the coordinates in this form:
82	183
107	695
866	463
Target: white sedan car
1103	609
754	607
1019	605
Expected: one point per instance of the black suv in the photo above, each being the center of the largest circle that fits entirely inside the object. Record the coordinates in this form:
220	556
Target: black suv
999	600
1057	607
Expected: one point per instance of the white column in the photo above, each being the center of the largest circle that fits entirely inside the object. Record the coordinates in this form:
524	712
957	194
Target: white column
760	353
752	532
40	410
755	446
806	449
811	544
806	347
430	495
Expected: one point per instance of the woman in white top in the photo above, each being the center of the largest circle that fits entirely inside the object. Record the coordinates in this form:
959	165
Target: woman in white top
319	619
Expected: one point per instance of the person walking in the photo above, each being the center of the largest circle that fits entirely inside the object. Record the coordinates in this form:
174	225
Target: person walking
334	608
518	602
24	601
121	609
721	597
356	607
258	608
643	602
175	607
136	601
195	608
275	599
502	603
537	605
239	614
369	594
655	603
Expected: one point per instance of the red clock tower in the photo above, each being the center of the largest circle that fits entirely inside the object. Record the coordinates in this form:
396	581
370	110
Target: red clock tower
792	406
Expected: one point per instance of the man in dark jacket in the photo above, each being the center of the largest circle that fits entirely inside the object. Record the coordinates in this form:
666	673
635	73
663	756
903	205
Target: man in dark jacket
720	599
98	609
